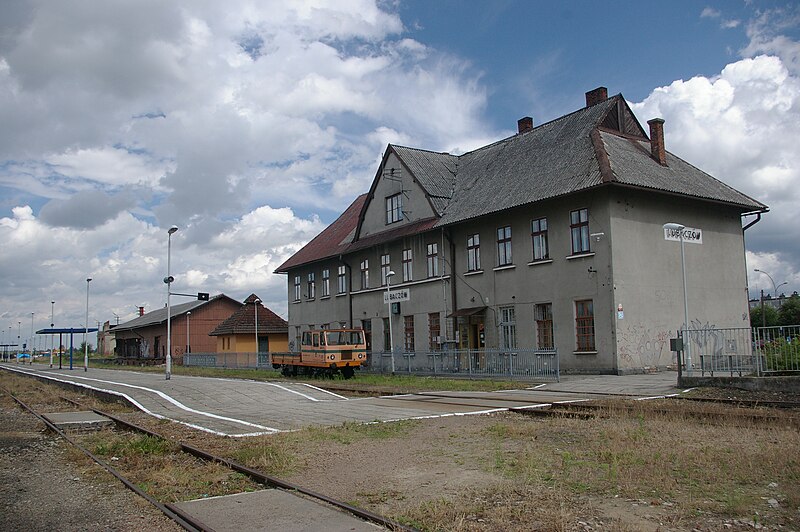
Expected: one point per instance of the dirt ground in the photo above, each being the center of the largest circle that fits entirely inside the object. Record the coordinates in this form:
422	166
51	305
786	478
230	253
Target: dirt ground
457	472
42	487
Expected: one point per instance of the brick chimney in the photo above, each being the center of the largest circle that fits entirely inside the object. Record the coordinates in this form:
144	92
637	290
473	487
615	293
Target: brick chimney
600	94
524	124
657	149
141	311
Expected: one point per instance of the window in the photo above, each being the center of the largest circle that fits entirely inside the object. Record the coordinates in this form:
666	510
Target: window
408	333
394	208
387	344
297	288
326	282
504	246
508	328
385	269
407	266
579	229
367	326
434	330
544	325
364	274
312	286
473	253
342	281
539	239
584	325
433	260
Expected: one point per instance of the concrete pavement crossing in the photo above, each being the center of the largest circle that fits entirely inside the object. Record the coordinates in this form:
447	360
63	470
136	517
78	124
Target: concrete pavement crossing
238	407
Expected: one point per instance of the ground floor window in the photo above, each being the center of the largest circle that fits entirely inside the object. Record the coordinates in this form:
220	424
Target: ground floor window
434	331
387	344
408	333
544	325
367	326
584	325
508	328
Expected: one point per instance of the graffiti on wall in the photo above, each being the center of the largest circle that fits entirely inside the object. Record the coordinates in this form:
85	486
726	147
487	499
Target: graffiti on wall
642	346
704	338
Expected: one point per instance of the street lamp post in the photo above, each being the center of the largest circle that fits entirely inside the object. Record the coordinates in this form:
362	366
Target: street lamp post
19	341
52	324
168	280
188	344
686	344
774	288
30	360
389	276
255	309
86	330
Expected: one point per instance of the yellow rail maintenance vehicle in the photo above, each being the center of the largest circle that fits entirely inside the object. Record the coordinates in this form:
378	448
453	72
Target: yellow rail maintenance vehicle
325	353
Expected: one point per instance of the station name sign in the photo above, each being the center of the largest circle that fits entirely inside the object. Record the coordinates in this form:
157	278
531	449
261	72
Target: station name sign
691	235
395	296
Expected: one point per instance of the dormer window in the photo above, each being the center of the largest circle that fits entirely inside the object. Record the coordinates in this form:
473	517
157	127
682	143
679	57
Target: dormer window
394	208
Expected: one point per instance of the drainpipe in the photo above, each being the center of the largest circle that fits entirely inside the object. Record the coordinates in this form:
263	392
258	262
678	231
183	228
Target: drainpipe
744	252
349	289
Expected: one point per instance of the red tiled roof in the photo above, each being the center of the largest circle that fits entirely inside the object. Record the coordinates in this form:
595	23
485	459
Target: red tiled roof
333	241
243	320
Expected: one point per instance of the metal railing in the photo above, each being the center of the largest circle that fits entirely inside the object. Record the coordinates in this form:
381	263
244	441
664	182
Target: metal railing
502	363
742	351
242	360
778	349
478	363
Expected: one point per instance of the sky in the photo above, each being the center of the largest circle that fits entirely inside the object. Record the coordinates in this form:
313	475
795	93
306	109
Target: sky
251	125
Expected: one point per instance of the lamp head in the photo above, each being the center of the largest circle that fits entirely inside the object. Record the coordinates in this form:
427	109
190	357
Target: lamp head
390	274
88	279
172	229
674	226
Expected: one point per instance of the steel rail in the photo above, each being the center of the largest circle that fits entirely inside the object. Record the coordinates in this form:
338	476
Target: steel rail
264	478
180	517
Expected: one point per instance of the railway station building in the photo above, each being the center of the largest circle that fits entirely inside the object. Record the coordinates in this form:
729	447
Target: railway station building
552	238
144	338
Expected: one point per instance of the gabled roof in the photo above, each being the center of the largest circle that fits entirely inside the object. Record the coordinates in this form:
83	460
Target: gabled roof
435	172
599	145
243	320
158	316
331	242
630	167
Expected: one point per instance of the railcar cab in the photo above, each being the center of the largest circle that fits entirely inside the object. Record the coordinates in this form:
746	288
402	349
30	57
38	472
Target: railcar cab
326	351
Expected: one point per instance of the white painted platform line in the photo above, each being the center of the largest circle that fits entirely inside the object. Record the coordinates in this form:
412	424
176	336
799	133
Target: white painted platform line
267	430
325	391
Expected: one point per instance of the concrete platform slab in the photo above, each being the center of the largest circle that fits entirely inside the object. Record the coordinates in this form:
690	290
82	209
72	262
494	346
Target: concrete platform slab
269	510
72	421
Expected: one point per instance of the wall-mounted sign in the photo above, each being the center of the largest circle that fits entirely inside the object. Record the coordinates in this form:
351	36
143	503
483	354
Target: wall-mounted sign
690	235
395	296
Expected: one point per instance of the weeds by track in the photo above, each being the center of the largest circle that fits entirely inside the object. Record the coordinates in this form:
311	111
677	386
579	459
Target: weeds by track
173	512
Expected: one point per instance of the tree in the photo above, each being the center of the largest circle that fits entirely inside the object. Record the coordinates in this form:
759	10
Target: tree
789	314
770	314
82	348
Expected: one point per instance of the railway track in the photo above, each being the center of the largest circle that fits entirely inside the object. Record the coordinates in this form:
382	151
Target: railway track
182	518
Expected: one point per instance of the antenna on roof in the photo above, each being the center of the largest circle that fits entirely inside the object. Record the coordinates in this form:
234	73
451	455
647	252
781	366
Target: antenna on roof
393	174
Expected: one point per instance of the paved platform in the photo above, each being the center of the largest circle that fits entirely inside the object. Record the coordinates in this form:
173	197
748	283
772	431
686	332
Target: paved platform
236	407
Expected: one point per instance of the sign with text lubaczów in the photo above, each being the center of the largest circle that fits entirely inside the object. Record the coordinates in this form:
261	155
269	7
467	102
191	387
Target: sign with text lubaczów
691	235
395	296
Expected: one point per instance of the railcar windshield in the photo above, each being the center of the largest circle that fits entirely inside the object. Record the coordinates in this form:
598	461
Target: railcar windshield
344	337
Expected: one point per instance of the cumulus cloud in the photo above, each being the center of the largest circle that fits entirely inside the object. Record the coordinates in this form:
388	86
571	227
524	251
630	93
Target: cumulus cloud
741	127
84	210
242	123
